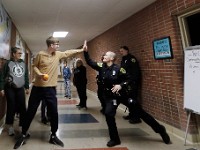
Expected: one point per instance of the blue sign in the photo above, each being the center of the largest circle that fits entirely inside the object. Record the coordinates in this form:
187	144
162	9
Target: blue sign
162	48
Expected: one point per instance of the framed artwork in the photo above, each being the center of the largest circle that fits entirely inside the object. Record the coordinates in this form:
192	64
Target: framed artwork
162	48
5	33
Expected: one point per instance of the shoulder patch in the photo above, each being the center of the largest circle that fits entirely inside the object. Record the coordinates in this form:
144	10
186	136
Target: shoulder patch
133	60
122	70
100	64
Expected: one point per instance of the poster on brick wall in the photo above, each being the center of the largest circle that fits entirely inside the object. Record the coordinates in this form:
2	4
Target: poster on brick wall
5	34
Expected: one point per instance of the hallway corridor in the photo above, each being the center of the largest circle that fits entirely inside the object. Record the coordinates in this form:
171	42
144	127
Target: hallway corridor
87	130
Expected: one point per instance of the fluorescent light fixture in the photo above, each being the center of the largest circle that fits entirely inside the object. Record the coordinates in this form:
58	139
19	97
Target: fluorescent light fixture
60	34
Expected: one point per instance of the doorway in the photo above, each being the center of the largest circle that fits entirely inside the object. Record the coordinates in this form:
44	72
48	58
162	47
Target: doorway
189	26
193	22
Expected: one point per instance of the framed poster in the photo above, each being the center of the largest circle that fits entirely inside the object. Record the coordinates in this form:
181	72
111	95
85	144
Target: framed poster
5	34
162	48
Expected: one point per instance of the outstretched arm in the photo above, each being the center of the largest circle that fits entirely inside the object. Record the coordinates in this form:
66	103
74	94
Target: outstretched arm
85	46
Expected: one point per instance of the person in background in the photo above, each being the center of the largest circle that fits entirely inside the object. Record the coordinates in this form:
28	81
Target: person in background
44	88
80	82
67	80
117	86
14	83
131	65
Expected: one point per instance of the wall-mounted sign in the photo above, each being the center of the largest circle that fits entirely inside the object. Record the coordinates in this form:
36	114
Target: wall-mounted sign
162	48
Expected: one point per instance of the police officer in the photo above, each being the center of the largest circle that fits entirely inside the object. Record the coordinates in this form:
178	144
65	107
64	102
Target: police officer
131	65
111	75
116	85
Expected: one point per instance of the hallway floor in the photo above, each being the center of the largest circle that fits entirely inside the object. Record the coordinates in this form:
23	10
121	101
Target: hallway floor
87	130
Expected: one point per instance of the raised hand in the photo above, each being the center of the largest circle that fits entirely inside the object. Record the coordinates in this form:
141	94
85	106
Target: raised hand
85	46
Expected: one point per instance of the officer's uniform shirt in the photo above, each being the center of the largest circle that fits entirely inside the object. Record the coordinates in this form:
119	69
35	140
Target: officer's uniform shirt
110	76
131	65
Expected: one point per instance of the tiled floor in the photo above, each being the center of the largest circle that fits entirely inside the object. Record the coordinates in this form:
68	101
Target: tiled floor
87	130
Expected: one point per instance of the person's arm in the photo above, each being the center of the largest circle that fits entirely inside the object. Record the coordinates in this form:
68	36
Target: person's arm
94	65
2	77
26	81
26	77
125	80
36	64
69	53
69	73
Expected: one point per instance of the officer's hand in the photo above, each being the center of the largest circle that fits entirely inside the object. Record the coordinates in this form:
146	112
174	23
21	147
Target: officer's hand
85	46
27	91
2	93
116	88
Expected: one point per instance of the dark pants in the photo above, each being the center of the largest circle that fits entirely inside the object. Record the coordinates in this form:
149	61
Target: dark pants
110	112
136	109
134	95
81	89
100	95
45	115
15	100
37	94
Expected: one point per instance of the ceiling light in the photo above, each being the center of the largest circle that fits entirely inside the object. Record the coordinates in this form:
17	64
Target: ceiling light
60	34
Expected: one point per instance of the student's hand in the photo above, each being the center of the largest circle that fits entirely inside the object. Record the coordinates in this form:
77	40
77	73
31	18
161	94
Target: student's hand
27	91
116	88
85	46
2	93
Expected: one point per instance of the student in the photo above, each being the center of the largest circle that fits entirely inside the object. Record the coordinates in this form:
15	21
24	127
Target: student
46	62
67	80
80	81
13	81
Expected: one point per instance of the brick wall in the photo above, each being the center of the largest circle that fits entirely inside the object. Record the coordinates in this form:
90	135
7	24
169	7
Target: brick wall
162	81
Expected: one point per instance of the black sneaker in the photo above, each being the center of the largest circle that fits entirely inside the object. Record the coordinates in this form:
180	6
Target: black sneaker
78	105
55	140
102	111
20	142
112	143
44	121
27	136
164	135
135	121
83	107
126	117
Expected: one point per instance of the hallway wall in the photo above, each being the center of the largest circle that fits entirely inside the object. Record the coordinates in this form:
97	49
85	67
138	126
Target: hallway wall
162	80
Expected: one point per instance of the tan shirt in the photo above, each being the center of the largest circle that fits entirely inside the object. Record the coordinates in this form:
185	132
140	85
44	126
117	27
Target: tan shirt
46	63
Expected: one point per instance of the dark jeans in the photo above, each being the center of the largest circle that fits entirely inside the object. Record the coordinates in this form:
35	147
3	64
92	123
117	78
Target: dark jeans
15	100
45	114
81	89
37	94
